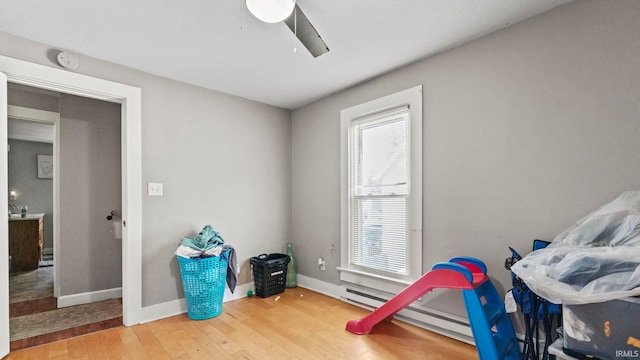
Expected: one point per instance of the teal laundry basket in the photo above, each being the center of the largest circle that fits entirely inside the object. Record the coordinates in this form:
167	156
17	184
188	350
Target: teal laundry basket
203	281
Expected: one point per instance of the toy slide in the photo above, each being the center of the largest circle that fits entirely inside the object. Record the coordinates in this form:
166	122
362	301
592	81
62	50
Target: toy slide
484	306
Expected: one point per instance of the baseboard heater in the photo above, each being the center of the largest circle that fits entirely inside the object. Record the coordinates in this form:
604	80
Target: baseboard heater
439	322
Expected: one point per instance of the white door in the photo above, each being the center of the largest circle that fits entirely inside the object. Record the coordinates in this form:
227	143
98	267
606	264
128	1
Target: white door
4	223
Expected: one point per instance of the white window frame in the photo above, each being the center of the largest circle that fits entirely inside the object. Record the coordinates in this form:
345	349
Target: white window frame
353	274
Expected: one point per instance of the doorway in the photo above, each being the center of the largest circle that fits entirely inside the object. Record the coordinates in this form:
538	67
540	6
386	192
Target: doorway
88	254
40	76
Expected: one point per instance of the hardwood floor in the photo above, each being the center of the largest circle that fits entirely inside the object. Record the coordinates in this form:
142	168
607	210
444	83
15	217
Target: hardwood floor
297	324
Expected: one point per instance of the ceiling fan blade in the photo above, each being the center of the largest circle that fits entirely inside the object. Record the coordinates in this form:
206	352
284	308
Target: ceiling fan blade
306	33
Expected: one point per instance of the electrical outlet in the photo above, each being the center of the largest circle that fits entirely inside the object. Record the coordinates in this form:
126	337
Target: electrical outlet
321	264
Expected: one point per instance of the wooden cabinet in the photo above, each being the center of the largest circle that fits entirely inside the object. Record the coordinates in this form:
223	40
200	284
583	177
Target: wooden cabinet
25	243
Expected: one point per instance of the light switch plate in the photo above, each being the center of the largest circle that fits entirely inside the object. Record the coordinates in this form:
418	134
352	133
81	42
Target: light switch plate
154	189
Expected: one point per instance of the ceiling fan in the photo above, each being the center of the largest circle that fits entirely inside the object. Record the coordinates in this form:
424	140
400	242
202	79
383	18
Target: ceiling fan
287	11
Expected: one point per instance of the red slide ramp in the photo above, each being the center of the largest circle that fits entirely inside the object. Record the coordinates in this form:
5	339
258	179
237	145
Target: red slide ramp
484	306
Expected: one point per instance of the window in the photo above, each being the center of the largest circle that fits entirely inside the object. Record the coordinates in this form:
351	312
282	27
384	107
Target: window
379	187
382	190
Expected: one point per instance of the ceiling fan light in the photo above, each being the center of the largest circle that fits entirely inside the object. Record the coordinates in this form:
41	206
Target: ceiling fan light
271	11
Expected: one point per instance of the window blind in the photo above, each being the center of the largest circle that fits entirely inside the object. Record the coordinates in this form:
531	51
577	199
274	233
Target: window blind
380	191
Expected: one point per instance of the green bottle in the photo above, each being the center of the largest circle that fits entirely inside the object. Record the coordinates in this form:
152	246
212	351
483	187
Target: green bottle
292	275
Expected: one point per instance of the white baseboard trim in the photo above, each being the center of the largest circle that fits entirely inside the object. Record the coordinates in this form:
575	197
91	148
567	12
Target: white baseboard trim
320	286
163	310
47	251
461	333
177	307
89	297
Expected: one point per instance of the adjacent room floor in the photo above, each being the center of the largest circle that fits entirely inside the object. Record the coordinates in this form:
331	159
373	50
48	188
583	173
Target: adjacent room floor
35	319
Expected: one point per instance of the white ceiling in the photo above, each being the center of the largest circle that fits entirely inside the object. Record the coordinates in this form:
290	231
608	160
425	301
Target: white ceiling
218	44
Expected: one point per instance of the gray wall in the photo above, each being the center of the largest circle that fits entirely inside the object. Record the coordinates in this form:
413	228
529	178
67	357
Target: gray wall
224	161
36	193
25	96
90	258
20	166
525	131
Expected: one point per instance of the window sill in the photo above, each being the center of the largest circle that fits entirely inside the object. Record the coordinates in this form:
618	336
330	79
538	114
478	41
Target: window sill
373	281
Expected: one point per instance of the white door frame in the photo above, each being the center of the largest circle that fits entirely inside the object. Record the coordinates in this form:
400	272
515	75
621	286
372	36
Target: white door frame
4	225
40	76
